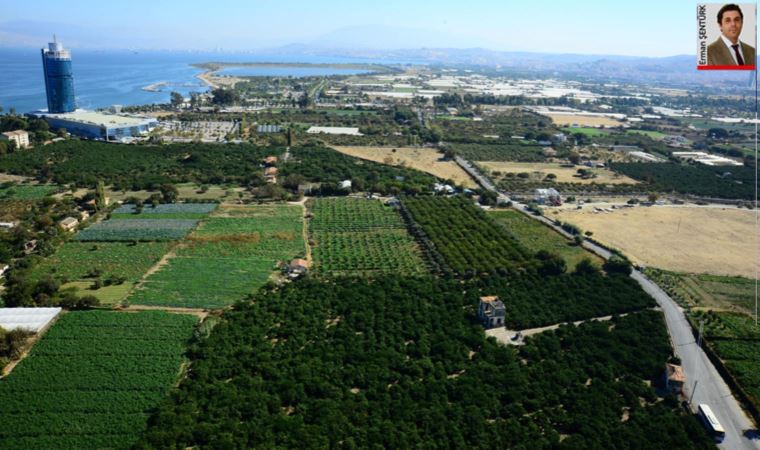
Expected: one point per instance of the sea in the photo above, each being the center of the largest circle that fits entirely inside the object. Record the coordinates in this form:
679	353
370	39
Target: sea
117	77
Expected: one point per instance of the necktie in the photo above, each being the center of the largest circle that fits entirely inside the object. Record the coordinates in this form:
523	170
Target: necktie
738	55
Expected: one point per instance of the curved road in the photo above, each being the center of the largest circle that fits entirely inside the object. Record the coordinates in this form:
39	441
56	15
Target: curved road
710	389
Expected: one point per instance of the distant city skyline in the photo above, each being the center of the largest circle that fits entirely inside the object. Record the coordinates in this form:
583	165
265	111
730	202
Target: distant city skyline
642	28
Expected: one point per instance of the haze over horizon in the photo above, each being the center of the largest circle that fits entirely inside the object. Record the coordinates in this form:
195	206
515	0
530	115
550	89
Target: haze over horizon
647	28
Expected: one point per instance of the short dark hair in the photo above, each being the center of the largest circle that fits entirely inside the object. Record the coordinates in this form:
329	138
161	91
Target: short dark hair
729	7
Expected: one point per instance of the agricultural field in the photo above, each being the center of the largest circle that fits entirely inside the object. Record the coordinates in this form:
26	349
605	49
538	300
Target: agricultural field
678	238
651	134
114	266
500	152
357	236
26	191
588	131
564	120
536	237
187	191
736	182
229	256
539	171
92	380
424	159
394	362
165	211
459	237
735	339
705	291
137	230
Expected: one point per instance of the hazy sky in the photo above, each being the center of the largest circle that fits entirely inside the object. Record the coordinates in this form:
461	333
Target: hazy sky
633	27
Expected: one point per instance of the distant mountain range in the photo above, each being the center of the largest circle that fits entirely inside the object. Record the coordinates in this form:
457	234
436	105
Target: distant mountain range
412	45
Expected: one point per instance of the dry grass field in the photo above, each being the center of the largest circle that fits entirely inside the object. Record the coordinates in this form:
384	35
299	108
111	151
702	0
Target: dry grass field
712	240
584	121
564	174
423	159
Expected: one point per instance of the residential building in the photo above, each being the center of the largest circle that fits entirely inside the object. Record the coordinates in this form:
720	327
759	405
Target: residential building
548	197
674	378
491	312
59	78
20	137
297	268
69	224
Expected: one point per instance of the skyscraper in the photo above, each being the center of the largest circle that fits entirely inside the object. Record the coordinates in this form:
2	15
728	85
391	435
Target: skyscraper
59	80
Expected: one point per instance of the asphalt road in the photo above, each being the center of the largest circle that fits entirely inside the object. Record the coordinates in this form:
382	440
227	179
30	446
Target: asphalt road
710	388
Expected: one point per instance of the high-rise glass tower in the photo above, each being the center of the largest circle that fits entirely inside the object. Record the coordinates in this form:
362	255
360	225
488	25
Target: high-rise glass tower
59	80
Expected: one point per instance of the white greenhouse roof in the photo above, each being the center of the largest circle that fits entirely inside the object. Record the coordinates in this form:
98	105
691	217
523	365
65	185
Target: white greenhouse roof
34	319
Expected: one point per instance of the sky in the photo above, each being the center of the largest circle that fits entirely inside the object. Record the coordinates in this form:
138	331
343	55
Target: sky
636	28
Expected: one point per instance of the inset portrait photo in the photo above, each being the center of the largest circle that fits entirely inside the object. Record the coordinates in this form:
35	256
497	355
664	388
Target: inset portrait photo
726	36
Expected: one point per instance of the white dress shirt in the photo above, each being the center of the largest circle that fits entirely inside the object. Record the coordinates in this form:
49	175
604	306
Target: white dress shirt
729	44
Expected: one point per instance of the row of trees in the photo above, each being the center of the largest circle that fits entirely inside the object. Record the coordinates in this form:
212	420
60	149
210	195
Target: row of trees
402	363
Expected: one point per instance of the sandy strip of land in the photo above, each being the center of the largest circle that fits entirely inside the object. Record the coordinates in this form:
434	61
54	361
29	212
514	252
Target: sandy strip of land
211	79
423	159
691	239
564	174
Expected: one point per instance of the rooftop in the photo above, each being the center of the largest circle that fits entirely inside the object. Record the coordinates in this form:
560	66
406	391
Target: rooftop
98	118
675	373
33	319
15	133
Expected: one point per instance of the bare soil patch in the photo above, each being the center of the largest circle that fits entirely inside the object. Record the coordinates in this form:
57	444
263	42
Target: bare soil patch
691	239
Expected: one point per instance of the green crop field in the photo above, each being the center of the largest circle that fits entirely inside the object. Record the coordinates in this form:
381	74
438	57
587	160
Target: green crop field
536	237
228	257
92	380
80	265
588	131
736	339
461	238
651	134
137	230
165	211
707	291
26	191
77	260
353	235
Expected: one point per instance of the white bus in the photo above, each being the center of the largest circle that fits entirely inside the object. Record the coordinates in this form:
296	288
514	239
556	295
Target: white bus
711	422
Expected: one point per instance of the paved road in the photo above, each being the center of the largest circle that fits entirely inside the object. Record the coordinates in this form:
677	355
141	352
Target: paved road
710	389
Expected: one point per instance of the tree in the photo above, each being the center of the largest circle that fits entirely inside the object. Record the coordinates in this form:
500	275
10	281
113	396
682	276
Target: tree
221	96
176	99
169	193
574	157
551	263
100	196
617	264
652	197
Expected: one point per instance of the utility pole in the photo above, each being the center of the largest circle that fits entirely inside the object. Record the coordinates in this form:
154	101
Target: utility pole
693	391
699	337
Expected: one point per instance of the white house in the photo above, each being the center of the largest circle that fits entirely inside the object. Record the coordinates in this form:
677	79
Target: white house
20	137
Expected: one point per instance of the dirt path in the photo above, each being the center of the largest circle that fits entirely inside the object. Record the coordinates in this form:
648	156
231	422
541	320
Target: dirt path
200	313
505	336
308	257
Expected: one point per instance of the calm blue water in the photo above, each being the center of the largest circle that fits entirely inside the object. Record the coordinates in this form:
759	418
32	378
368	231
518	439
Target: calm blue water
279	71
105	78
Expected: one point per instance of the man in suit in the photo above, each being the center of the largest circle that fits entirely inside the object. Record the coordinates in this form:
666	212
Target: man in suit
728	50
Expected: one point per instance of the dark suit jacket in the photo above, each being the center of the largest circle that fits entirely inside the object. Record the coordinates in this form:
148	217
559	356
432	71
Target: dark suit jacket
720	55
